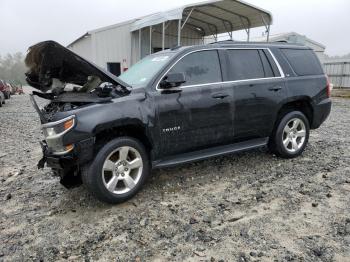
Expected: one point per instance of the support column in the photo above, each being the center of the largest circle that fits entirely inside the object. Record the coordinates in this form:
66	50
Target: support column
140	49
163	36
268	34
179	33
248	35
150	40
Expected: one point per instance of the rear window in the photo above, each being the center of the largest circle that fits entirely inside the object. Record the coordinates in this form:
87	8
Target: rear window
304	62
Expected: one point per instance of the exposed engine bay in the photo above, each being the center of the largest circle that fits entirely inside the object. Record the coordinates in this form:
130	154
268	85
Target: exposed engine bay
68	80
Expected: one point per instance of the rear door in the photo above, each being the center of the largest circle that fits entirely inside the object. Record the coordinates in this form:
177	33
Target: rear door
199	115
258	89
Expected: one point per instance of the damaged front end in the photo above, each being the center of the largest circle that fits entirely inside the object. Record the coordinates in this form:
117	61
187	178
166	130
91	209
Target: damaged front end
67	82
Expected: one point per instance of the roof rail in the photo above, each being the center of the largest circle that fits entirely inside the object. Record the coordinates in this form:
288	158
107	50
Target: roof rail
176	47
223	41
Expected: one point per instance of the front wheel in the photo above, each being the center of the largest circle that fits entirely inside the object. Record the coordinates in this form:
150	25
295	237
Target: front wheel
291	135
118	171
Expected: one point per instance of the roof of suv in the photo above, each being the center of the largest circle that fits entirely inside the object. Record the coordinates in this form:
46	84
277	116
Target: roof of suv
228	44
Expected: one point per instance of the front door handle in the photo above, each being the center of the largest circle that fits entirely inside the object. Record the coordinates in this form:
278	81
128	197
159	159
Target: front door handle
275	88
219	95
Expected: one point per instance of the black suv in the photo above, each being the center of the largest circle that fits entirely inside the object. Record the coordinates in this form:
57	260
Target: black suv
172	107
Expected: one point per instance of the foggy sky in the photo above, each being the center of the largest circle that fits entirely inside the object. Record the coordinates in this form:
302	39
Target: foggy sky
26	22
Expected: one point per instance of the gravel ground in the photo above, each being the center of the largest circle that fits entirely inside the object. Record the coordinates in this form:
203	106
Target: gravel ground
246	207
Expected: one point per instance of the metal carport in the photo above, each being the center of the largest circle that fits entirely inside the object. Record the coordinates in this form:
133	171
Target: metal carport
209	18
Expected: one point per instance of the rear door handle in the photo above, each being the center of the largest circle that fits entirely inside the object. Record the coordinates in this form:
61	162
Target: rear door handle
219	95
275	88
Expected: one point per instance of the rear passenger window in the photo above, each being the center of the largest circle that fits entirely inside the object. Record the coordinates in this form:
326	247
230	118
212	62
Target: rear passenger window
267	66
245	64
304	62
200	68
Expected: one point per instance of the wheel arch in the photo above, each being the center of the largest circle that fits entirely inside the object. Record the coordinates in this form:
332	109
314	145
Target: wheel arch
303	104
131	128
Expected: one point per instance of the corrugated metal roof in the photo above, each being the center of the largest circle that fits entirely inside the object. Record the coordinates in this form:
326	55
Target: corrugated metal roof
210	17
288	37
213	17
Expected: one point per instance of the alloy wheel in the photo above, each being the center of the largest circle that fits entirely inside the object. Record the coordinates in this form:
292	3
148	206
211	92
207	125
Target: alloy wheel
294	134
122	170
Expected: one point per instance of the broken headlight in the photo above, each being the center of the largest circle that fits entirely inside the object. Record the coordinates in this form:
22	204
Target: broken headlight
54	132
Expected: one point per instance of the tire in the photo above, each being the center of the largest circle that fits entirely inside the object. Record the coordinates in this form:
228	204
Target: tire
290	142
110	165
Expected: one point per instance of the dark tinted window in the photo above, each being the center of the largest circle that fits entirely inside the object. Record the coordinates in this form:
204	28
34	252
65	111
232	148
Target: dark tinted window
245	64
303	62
200	68
267	66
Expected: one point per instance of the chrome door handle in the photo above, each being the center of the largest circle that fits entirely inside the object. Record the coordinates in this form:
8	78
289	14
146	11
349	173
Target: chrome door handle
219	96
275	88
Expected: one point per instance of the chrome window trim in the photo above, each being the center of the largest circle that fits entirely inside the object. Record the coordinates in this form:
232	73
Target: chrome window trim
282	75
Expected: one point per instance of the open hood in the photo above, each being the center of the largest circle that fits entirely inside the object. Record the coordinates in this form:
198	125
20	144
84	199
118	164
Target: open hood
50	62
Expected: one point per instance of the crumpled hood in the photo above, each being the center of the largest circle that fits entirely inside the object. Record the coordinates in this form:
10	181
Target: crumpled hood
49	60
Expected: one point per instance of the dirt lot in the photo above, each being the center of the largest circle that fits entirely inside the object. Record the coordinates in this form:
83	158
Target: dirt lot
246	207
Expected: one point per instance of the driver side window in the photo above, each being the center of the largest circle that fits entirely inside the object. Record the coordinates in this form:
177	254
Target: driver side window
201	67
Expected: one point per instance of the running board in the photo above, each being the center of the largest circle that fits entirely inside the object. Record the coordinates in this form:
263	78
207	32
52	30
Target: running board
211	152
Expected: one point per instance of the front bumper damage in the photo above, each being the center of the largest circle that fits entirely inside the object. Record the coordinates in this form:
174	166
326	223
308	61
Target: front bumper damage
67	166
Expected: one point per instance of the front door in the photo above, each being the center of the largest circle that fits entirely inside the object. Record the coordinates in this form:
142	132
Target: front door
200	114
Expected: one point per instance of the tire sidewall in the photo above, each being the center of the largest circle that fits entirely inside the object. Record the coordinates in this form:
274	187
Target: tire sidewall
94	180
279	134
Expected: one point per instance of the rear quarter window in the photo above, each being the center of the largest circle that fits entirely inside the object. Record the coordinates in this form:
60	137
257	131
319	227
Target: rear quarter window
303	61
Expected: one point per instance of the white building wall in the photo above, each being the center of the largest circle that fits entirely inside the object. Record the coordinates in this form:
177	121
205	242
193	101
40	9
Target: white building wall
83	47
115	43
112	45
188	37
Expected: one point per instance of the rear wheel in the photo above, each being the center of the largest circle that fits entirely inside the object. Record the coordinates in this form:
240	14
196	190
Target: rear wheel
118	171
291	135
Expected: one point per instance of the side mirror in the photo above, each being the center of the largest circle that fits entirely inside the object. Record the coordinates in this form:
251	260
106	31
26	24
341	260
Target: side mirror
172	80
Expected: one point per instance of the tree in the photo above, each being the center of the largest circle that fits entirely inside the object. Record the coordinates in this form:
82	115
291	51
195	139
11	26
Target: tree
12	68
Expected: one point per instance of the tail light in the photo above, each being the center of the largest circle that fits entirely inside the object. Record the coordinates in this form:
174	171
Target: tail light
329	89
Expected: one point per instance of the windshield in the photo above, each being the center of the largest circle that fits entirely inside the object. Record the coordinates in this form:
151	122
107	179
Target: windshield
140	74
